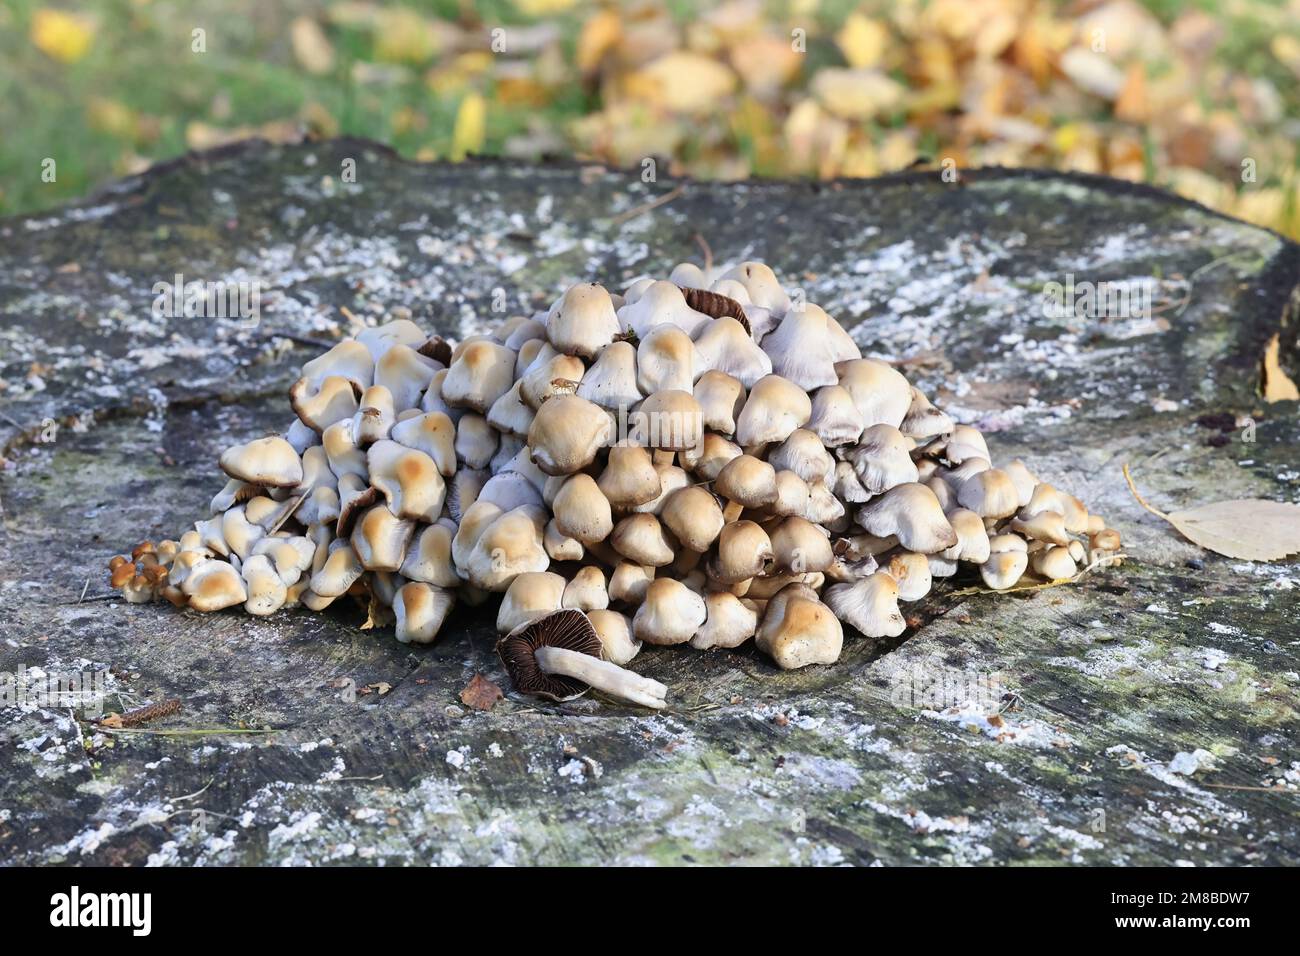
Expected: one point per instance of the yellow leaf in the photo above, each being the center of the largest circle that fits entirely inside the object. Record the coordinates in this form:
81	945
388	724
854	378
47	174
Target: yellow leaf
543	8
1275	384
599	35
686	82
470	130
862	40
1249	529
856	94
311	48
64	36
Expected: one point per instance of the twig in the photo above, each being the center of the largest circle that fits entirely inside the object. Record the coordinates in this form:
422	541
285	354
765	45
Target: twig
84	589
184	732
649	206
708	253
1140	500
195	794
1238	786
1060	582
300	339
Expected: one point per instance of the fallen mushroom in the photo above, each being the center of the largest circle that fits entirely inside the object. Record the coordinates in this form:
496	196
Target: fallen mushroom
558	657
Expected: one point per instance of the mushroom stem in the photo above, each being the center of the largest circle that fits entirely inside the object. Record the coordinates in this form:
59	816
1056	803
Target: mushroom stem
602	675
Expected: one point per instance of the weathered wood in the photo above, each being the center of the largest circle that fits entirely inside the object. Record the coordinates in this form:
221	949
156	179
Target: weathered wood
1107	680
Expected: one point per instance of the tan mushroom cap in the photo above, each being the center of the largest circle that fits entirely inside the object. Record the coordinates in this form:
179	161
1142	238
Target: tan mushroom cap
912	513
1045	526
266	588
380	539
799	630
428	558
267	461
881	393
587	591
531	595
628	582
869	605
835	418
479	375
730	621
665	360
972	538
670	420
923	420
567	433
548	376
744	550
801	348
882	459
694	517
966	442
748	481
420	610
582	511
611	381
775	408
799	546
213	585
1054	563
405	373
990	494
618	646
1004	568
629	478
670	614
803	453
725	346
713	455
641	539
432	433
349	359
408	479
319	405
912	572
582	321
761	284
509	546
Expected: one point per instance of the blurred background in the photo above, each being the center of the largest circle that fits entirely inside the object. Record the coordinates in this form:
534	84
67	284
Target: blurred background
1201	96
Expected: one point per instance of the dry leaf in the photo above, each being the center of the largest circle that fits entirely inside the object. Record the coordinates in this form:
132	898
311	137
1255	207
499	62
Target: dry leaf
480	693
1274	384
311	47
471	127
64	36
1249	529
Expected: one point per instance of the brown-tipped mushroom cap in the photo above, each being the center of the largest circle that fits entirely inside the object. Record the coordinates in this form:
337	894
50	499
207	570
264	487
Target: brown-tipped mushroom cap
670	420
747	480
640	538
670	614
629	478
408	479
582	321
882	459
731	621
880	391
721	398
725	346
744	550
566	434
775	408
531	595
798	629
213	585
480	374
320	405
694	517
582	511
835	418
800	546
267	461
990	494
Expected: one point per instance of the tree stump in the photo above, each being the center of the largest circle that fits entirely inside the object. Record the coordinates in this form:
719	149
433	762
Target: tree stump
303	738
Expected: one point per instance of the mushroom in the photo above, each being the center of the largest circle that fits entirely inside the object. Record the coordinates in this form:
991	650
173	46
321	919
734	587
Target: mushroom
801	348
629	477
582	321
665	360
566	434
744	551
798	629
1054	563
266	587
405	373
912	572
694	517
660	303
972	538
720	397
912	512
548	376
869	605
380	539
835	418
558	657
267	461
966	442
629	581
420	610
381	339
510	413
213	585
509	546
350	360
881	393
581	511
800	546
428	558
882	460
618	646
724	345
792	494
320	405
990	494
803	453
611	381
531	595
432	433
671	614
775	408
748	481
923	420
1006	563
640	538
408	479
586	591
478	376
730	621
476	441
341	451
670	420
760	284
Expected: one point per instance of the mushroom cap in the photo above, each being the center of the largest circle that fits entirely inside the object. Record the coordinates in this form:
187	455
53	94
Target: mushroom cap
694	517
432	433
1004	568
266	588
510	413
670	420
611	381
428	558
803	453
972	538
511	545
640	538
628	582
1054	563
912	512
882	394
530	595
730	621
213	585
587	590
760	284
420	610
629	478
835	418
725	346
566	628
801	348
582	511
408	479
798	629
882	459
800	546
269	461
660	303
380	339
476	441
665	359
744	550
748	481
405	373
479	375
349	359
912	572
990	494
966	442
869	605
618	646
774	408
582	321
319	405
923	420
566	434
550	375
380	539
671	614
720	397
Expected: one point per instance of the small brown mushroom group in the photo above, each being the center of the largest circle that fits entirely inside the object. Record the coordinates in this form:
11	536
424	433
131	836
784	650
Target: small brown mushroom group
647	471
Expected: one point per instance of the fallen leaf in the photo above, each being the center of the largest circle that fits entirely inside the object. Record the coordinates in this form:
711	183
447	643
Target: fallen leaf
1274	384
65	37
480	693
1249	529
311	48
471	127
685	82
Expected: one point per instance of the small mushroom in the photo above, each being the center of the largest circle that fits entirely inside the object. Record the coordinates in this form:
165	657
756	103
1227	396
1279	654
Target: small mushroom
532	594
629	477
320	405
760	284
869	605
432	433
558	657
720	397
510	413
912	572
748	481
587	590
835	418
266	588
694	517
923	420
582	511
267	461
1054	563
881	393
744	550
799	630
660	303
213	585
629	581
670	420
799	546
775	408
990	494
801	348
730	621
566	434
1008	559
582	321
725	346
803	453
408	479
912	513
640	538
614	629
611	381
482	373
511	545
420	610
405	373
671	614
380	539
665	360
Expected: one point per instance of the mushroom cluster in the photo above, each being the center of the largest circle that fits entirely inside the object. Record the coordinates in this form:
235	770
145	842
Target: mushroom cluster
699	460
